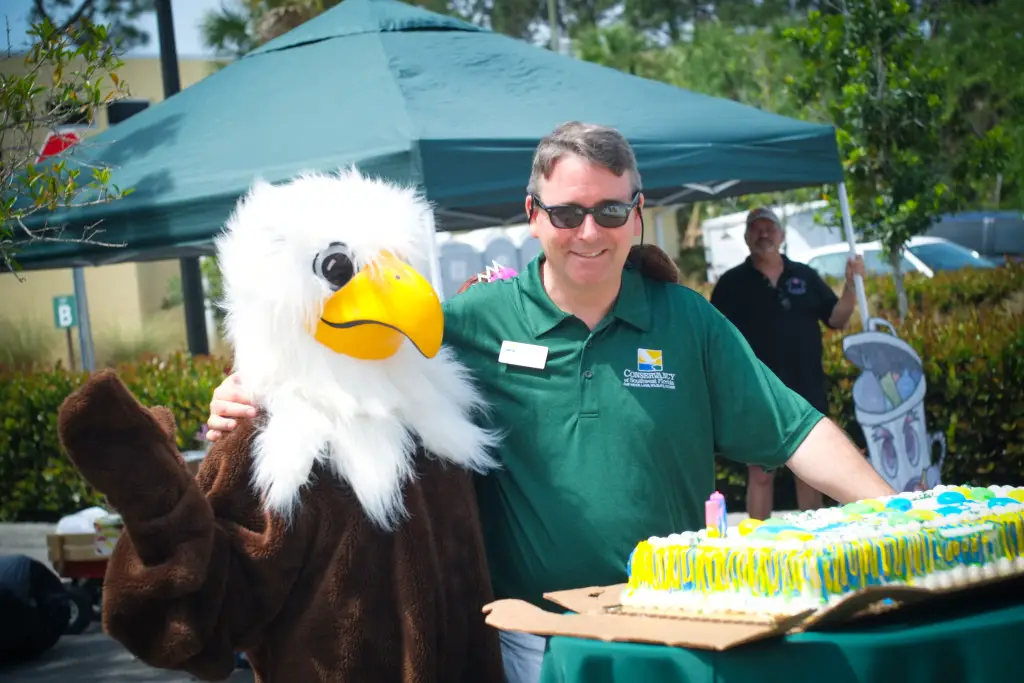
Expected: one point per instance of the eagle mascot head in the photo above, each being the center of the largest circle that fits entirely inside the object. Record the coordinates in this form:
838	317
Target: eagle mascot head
338	339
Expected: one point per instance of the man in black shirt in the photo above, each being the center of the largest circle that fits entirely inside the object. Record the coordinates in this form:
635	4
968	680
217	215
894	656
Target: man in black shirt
776	304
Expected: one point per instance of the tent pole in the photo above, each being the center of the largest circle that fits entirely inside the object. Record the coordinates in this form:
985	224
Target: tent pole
191	275
85	345
858	281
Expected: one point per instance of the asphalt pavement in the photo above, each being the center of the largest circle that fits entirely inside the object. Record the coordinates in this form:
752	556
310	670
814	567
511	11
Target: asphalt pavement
94	658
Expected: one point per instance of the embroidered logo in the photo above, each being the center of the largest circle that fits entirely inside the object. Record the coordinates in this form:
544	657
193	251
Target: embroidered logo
648	360
650	372
796	286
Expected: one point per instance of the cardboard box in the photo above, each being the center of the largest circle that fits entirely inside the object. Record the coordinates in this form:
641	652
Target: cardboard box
596	614
64	548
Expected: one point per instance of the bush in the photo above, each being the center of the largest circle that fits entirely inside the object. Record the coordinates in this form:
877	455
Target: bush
38	481
968	328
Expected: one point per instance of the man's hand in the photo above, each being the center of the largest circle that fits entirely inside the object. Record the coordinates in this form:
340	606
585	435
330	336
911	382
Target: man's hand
230	401
854	265
843	309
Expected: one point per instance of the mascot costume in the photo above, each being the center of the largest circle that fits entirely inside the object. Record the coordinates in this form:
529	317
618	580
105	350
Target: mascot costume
333	538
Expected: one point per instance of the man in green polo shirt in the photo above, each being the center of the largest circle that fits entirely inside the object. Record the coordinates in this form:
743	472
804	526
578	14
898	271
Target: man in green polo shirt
614	392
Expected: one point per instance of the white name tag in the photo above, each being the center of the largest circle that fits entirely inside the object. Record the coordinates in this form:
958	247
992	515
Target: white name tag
526	355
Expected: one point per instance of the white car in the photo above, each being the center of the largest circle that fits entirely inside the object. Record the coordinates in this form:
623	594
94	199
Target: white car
925	255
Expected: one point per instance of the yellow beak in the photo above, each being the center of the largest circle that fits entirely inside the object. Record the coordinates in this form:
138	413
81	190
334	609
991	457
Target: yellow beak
379	307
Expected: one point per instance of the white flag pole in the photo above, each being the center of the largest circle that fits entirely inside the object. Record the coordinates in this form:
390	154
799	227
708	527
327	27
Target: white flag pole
858	281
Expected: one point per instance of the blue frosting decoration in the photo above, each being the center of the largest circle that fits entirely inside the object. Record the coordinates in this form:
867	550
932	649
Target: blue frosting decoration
950	498
950	510
999	502
900	504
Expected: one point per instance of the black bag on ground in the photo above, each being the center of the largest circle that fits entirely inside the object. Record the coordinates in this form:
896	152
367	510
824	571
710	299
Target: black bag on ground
34	608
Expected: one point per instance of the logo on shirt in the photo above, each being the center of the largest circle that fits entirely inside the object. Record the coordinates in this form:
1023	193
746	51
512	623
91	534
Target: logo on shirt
648	360
796	286
649	373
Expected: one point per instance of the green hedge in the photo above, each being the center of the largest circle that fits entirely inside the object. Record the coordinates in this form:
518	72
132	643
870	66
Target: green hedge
38	481
967	326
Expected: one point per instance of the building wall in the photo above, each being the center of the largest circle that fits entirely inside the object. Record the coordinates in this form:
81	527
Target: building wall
125	300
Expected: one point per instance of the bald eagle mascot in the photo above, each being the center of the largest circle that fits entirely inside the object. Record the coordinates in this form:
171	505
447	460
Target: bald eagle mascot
335	537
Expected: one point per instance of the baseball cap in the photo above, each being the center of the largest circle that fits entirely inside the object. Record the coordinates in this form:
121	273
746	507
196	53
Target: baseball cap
762	213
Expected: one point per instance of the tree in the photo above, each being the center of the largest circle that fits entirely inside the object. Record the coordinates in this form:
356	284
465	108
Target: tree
236	30
867	68
67	74
246	24
979	44
118	16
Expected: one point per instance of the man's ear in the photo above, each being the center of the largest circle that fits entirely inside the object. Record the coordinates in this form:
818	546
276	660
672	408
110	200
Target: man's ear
638	228
529	215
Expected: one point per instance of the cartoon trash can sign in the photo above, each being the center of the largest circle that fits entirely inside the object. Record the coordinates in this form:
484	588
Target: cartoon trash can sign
888	400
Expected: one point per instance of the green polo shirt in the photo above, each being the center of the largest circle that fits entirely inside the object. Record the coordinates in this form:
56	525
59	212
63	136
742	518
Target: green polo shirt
614	439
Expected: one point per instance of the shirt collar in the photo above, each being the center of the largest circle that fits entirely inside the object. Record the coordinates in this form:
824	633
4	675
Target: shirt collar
787	265
542	315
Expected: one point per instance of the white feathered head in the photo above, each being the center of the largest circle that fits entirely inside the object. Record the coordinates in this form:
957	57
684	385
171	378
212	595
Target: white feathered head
339	338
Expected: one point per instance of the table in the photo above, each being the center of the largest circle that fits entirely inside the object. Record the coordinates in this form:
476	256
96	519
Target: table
979	646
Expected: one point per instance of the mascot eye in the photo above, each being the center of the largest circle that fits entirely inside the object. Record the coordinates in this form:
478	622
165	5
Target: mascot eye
334	265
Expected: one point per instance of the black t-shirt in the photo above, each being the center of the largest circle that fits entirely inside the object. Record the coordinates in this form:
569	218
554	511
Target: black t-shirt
781	323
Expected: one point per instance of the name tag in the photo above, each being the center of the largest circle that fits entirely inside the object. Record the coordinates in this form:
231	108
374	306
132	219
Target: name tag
525	355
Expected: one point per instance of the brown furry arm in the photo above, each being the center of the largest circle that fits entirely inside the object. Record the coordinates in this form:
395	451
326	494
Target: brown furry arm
654	263
199	571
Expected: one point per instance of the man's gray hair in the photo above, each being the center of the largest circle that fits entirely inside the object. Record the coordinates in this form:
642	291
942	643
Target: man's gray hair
599	145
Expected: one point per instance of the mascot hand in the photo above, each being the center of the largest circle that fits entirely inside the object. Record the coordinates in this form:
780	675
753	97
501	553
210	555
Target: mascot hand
124	450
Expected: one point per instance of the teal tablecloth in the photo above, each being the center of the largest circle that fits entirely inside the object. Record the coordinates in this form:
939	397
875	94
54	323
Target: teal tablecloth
985	647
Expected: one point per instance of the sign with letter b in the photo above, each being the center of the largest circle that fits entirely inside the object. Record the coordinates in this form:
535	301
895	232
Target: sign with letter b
65	313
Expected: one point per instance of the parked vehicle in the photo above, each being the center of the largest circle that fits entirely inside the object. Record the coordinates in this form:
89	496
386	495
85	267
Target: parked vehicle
927	255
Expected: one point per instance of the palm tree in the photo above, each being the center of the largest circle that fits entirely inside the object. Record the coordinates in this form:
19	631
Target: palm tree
234	31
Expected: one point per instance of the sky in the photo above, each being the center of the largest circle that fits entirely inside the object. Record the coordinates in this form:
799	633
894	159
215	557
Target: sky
187	15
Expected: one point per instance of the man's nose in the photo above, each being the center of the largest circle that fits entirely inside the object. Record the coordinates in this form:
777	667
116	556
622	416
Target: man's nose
589	229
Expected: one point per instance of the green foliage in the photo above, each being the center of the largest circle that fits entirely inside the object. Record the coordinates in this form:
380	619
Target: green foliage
214	286
950	293
38	480
66	74
968	328
981	43
867	68
119	16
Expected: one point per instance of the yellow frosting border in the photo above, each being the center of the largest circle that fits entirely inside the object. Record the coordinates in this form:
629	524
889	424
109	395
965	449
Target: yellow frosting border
811	568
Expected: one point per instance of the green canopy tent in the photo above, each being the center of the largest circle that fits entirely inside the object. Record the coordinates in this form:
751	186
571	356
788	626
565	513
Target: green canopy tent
420	98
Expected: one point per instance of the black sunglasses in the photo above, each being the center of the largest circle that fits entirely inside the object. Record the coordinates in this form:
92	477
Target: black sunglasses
610	214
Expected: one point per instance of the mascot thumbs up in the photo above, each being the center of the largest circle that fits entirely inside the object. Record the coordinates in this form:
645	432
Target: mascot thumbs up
334	537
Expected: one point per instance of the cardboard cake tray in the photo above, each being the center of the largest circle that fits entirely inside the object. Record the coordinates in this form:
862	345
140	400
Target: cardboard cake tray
596	614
